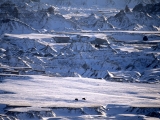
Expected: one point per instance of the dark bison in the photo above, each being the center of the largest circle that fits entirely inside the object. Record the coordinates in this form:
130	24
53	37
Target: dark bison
145	38
76	99
83	98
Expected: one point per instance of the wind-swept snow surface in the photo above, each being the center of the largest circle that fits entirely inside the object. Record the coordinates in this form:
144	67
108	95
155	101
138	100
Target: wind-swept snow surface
42	93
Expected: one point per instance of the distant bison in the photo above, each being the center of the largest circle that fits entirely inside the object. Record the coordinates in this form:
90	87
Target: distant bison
76	99
83	98
145	38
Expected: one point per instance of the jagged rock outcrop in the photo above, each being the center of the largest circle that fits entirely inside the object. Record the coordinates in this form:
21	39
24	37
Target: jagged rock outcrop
78	58
35	16
93	22
139	19
20	17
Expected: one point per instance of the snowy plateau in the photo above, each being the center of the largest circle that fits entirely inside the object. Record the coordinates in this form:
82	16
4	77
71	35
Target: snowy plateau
79	59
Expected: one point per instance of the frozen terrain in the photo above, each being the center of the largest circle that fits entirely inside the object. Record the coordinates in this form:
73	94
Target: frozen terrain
121	56
46	16
43	97
79	59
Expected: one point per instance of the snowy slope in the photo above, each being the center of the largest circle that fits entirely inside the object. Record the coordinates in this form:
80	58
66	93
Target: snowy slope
45	16
16	27
124	61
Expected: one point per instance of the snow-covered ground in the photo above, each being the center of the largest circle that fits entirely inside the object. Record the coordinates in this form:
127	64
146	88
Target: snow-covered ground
79	59
44	93
45	96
